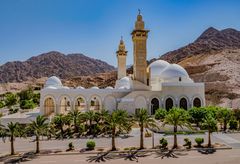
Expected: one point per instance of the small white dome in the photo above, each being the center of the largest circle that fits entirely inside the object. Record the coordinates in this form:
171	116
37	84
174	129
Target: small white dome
53	81
109	87
173	71
51	87
65	87
94	87
125	82
122	87
80	87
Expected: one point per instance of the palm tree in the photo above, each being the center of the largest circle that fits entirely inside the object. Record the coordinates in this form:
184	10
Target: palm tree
59	121
210	124
12	130
75	117
224	115
101	116
38	127
89	118
116	122
144	121
177	117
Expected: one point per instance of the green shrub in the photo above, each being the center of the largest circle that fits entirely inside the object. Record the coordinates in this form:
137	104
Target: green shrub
11	99
160	114
199	141
2	104
188	143
70	146
27	104
233	124
13	110
90	144
163	143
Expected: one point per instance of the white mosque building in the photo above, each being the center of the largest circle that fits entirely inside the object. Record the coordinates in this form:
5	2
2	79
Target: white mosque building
159	85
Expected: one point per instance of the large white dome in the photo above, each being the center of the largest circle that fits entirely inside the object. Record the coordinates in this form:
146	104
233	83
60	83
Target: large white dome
173	71
53	82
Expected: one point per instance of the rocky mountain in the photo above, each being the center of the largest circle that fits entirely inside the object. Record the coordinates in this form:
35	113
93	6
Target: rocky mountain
52	63
213	58
210	41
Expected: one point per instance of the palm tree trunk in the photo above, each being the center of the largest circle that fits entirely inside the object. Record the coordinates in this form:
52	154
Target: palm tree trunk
141	137
37	144
90	126
113	140
12	145
175	137
239	124
225	126
209	139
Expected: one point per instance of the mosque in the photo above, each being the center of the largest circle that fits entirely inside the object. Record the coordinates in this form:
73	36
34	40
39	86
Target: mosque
159	85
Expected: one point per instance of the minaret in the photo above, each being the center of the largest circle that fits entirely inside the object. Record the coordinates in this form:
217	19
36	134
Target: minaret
121	56
139	37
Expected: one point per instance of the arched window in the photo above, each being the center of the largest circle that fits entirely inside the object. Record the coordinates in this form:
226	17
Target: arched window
49	106
154	105
168	104
95	103
197	102
183	103
65	105
80	104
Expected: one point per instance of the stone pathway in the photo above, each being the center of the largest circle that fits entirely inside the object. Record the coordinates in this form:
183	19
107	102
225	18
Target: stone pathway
234	143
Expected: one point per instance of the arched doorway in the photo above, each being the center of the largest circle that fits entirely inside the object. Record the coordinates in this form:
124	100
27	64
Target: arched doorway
49	106
65	105
183	103
95	103
197	102
169	104
80	104
154	105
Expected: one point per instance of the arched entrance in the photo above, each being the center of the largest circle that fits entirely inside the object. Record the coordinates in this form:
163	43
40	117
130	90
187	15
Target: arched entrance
197	102
65	105
169	104
80	104
183	103
154	105
95	103
49	106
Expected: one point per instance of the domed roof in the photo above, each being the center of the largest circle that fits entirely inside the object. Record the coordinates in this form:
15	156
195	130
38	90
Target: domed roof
51	87
94	87
172	71
109	87
157	67
80	87
53	81
125	82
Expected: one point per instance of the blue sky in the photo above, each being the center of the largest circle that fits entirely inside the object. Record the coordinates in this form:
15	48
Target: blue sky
94	27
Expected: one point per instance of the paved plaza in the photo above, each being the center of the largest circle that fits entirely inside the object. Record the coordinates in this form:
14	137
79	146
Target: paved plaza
192	157
220	157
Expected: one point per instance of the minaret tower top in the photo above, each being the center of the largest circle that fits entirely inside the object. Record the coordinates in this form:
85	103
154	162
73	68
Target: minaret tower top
139	24
121	56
